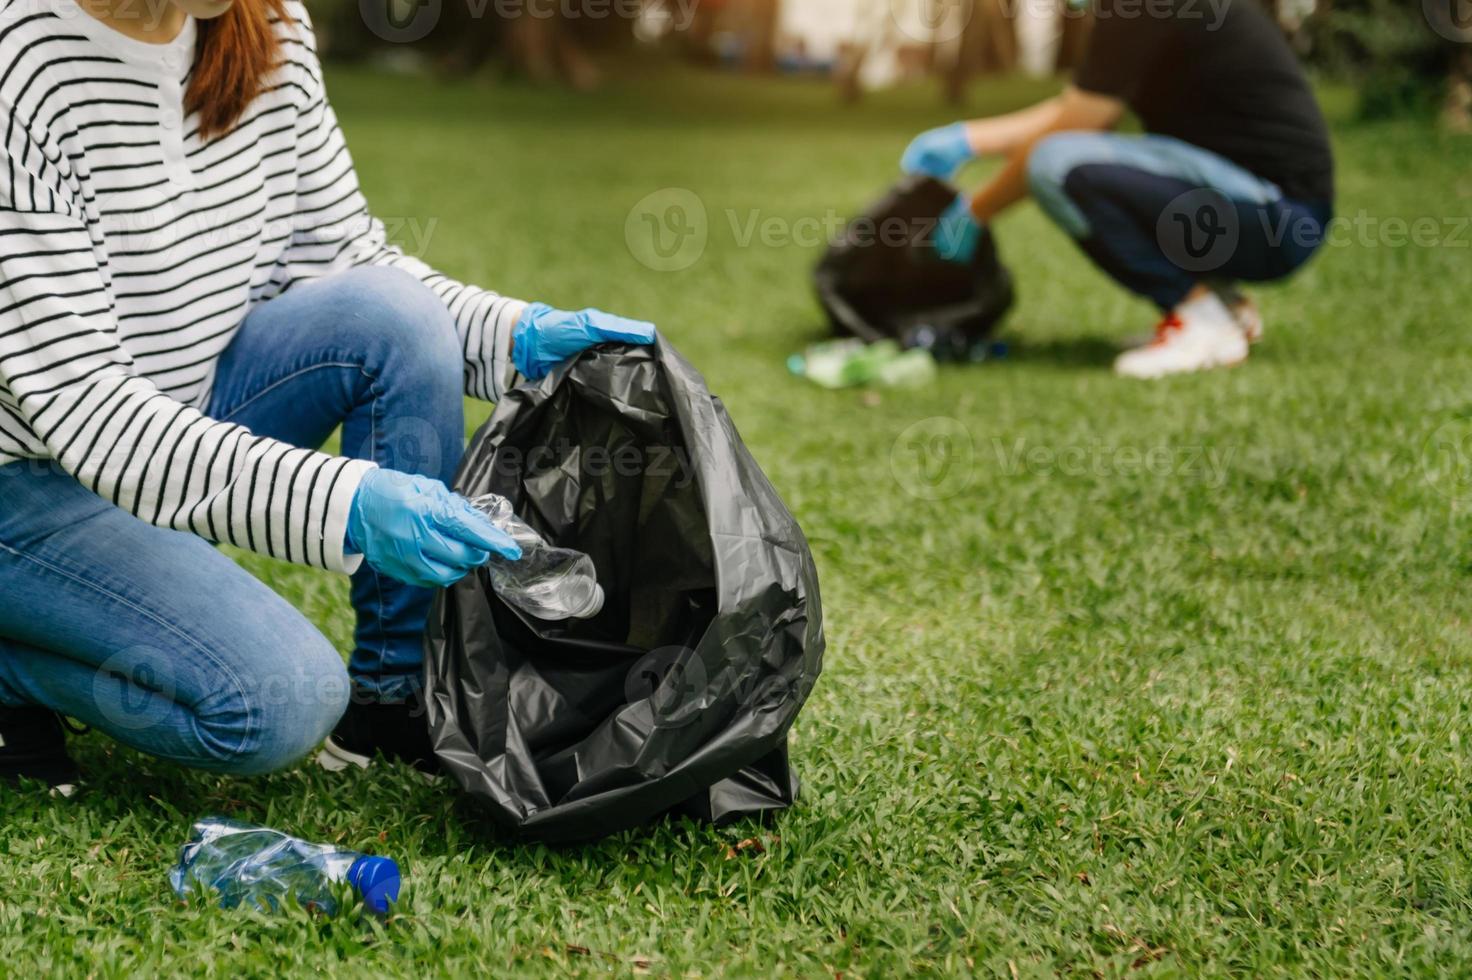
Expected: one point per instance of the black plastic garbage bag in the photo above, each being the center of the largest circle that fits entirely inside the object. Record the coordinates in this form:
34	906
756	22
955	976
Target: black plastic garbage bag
884	278
679	694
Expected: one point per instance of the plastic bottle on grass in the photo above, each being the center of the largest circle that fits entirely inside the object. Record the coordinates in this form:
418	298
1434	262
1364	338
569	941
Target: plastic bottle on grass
843	363
258	866
849	362
545	582
914	368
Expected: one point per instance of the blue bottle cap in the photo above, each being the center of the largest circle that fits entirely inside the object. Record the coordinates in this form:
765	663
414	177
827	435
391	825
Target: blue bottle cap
377	879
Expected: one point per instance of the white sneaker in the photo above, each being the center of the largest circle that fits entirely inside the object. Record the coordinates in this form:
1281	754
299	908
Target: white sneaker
335	757
1249	319
1244	310
1195	336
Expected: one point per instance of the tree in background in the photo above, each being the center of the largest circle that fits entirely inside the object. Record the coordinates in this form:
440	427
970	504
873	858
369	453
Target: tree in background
1403	55
988	45
1074	21
538	39
763	17
1401	61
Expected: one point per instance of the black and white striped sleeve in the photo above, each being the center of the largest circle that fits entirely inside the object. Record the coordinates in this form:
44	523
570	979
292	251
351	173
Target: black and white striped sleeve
333	229
75	388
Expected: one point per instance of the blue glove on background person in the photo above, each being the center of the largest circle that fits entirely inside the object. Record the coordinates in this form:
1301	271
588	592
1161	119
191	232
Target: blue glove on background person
938	152
544	337
957	234
413	529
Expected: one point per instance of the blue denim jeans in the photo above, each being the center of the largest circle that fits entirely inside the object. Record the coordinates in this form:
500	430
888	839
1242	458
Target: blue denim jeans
1160	215
156	638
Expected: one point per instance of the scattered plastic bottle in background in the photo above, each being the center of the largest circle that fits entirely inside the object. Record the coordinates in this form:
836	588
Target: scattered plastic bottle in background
911	369
259	866
545	582
849	362
843	363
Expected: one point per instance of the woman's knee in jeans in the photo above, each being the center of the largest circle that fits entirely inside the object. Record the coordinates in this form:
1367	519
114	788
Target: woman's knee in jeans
393	315
414	357
271	713
1049	164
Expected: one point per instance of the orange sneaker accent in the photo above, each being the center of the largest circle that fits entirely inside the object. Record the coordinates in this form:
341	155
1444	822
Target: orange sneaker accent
1169	324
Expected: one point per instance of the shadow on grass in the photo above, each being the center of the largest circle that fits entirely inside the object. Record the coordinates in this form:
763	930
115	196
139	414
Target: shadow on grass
1085	352
422	819
1081	352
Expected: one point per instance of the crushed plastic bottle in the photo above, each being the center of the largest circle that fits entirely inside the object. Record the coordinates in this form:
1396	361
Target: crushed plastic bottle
259	866
545	582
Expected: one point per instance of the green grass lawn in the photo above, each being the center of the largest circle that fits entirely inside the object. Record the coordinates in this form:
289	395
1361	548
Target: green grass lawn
1159	678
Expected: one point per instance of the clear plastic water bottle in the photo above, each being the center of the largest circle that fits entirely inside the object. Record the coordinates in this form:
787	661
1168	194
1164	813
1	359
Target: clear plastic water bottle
545	582
259	866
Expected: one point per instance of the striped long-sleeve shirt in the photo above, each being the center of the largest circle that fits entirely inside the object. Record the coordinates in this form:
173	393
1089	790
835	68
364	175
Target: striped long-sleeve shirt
130	252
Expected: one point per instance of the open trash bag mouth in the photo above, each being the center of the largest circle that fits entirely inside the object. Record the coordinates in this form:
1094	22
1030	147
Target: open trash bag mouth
885	279
678	694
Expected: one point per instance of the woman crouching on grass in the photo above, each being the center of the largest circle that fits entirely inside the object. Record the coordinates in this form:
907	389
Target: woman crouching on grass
195	298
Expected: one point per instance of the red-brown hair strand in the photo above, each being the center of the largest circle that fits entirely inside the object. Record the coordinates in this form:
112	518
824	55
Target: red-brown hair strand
234	56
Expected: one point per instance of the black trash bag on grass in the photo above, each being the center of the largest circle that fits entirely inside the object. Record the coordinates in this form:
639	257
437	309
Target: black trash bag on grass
678	695
883	279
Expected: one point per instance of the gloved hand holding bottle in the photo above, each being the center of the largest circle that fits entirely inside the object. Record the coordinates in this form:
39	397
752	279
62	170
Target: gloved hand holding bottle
544	337
413	529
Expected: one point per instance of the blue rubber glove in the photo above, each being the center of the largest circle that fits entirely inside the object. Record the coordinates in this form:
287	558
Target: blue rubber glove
413	529
938	152
544	337
957	234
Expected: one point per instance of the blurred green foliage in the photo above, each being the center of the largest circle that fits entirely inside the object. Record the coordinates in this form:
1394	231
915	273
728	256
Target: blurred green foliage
1398	63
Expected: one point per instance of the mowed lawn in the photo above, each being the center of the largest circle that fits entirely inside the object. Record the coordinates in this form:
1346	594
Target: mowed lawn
1122	678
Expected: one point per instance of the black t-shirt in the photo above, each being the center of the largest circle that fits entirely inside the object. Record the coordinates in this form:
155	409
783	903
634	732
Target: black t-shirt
1218	74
